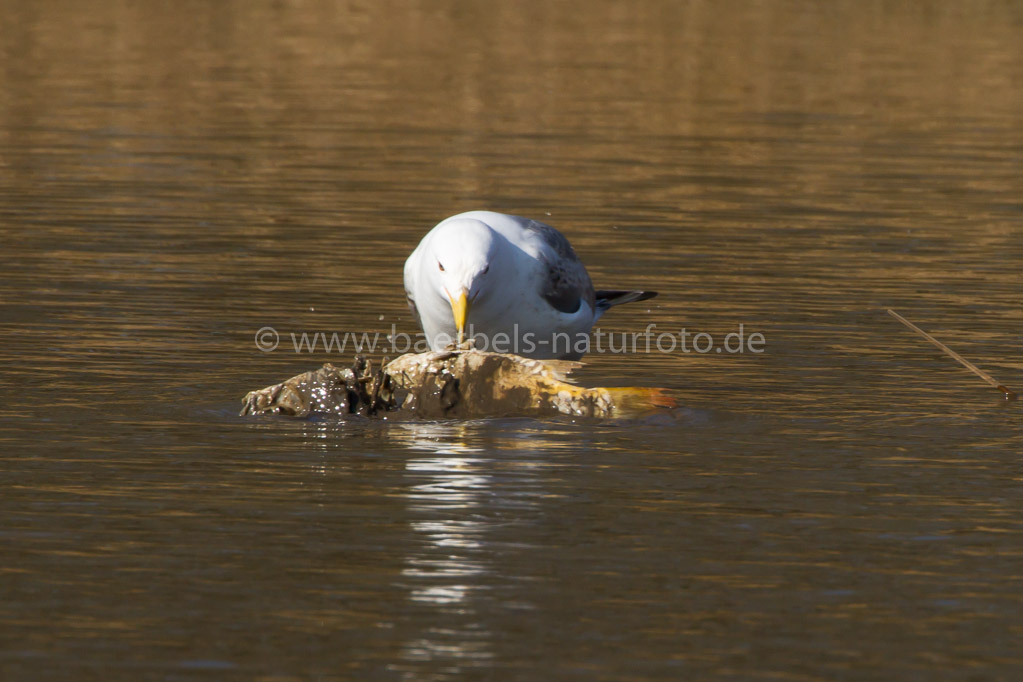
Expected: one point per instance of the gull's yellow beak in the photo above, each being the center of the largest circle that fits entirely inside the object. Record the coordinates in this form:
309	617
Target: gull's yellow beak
460	308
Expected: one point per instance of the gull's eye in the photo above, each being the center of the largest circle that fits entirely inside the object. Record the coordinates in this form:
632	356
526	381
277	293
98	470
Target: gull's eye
440	266
487	267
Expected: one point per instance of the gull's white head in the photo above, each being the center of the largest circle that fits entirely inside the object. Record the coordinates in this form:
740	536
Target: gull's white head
459	259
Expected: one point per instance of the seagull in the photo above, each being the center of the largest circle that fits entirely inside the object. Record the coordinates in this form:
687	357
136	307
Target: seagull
511	284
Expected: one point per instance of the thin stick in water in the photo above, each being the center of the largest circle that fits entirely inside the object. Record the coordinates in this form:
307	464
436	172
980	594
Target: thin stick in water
1009	395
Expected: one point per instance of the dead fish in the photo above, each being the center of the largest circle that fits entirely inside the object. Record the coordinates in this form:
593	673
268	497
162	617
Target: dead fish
473	383
462	383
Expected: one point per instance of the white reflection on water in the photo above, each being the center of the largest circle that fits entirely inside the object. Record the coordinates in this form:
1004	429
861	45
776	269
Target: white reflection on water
452	483
450	533
447	496
454	479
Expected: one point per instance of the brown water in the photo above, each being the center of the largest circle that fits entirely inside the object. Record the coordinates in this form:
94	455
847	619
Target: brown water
845	505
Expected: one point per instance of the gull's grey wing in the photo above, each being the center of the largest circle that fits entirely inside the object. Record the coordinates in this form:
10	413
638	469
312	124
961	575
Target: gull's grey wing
567	283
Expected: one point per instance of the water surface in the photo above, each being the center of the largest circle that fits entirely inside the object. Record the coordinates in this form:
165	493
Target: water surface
844	505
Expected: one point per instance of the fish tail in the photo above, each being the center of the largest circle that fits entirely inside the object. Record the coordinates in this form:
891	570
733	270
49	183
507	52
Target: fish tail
633	399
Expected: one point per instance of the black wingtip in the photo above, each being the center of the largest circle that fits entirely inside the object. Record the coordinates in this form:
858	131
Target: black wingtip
607	298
